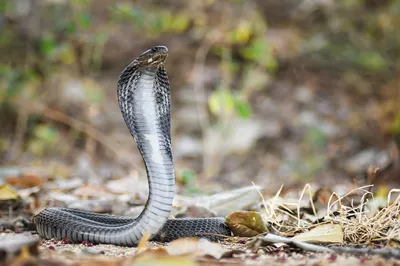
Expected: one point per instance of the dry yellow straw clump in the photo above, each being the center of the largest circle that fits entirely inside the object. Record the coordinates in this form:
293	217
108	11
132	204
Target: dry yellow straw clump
360	226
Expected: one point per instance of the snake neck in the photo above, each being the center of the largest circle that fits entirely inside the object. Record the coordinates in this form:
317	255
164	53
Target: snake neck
142	107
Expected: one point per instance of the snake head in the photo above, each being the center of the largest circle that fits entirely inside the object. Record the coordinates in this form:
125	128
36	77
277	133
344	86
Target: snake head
153	57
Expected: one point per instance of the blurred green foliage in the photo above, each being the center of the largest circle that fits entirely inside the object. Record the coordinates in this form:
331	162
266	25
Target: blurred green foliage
224	103
395	127
188	179
43	140
17	83
151	23
313	143
72	39
260	51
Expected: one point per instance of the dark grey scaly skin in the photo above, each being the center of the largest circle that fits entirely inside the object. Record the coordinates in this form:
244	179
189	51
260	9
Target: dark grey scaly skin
144	99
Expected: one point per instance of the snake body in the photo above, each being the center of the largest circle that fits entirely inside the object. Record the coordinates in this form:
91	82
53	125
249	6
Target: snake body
143	92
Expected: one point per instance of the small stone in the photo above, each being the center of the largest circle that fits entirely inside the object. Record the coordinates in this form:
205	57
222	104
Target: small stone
303	94
367	158
92	251
260	252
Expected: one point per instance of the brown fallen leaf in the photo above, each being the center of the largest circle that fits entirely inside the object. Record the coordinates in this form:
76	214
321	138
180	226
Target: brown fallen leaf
196	247
246	224
160	257
322	196
25	181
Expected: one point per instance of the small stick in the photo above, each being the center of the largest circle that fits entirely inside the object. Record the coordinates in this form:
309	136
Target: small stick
76	124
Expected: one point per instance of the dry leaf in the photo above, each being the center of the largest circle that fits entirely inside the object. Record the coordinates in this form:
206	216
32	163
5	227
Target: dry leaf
160	257
7	193
142	246
25	181
197	247
246	224
323	195
326	233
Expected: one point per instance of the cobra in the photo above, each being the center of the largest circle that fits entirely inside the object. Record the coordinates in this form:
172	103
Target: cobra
143	92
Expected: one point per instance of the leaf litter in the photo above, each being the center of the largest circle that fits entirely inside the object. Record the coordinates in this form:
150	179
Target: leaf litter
280	225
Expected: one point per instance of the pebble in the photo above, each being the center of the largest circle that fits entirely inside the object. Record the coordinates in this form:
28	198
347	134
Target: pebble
92	251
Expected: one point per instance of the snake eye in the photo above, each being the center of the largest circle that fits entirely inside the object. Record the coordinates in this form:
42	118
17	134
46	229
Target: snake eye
154	49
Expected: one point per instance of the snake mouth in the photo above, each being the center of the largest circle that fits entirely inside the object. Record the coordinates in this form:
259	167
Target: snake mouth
153	57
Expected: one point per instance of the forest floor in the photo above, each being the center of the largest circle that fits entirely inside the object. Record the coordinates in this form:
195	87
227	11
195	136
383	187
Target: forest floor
56	253
367	219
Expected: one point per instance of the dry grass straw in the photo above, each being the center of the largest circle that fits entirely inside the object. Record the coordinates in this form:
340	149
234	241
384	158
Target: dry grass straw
361	224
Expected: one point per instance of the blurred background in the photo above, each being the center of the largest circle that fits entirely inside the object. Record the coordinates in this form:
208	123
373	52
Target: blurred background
263	91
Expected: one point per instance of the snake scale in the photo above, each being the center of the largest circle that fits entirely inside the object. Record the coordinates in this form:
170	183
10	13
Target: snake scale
143	92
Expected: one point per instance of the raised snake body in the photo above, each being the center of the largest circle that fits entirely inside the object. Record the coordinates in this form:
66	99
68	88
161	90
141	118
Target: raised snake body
144	98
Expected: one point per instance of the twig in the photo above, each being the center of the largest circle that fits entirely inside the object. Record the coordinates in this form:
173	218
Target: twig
271	238
329	205
214	162
20	131
394	190
77	125
199	94
349	193
306	187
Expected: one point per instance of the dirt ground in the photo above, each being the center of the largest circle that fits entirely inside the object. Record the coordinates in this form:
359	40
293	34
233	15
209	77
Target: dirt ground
51	253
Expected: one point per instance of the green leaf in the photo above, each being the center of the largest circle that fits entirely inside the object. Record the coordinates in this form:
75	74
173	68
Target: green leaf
261	52
243	109
395	125
46	133
85	20
221	102
372	61
45	137
188	177
315	137
256	50
5	6
242	33
70	27
180	23
47	45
